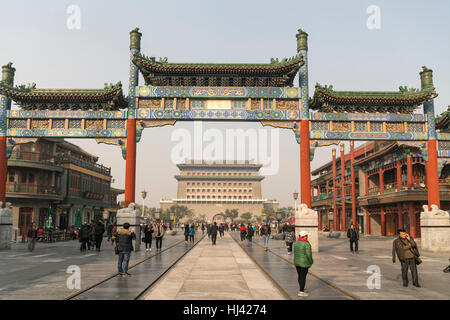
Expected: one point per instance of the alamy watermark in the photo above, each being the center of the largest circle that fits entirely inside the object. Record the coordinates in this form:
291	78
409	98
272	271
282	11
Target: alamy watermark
374	280
374	19
74	19
258	146
74	280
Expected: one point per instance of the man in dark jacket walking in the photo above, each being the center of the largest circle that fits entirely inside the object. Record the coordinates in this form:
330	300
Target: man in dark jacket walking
406	249
124	239
84	234
99	231
213	231
353	236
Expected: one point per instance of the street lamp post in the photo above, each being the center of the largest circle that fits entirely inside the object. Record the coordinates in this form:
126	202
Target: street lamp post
144	195
295	195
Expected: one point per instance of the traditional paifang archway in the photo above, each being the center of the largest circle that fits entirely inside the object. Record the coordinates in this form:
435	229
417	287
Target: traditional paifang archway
218	215
228	92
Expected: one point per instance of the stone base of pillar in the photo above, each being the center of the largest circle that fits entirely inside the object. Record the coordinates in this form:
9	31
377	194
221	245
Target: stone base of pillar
307	219
132	215
435	229
6	226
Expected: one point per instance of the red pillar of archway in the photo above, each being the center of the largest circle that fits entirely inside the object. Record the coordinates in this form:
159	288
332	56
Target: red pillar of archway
412	220
130	170
432	174
343	224
305	165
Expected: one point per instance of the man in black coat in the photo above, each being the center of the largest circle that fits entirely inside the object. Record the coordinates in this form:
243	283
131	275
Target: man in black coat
98	233
84	235
124	239
353	236
213	231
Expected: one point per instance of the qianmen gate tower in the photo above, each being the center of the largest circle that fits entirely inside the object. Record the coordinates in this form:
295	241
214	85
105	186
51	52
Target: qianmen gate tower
260	92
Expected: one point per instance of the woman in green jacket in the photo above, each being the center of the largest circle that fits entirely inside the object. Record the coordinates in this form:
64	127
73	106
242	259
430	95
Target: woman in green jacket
302	260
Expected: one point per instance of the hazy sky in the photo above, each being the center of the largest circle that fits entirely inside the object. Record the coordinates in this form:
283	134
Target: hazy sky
342	52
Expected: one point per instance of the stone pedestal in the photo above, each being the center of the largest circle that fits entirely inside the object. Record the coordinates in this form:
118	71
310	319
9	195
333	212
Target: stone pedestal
133	217
6	226
306	219
435	229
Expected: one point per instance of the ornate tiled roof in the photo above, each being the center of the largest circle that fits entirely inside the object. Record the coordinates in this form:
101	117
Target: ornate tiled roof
274	74
30	98
443	121
405	100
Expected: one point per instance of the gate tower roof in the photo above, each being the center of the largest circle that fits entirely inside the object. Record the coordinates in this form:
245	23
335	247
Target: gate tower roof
274	74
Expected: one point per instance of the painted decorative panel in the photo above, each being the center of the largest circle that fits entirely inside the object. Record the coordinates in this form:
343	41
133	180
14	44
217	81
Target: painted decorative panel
150	103
74	124
39	124
320	125
287	105
17	123
93	124
444	145
115	124
327	135
360	126
376	127
342	126
168	104
256	104
63	114
58	123
415	127
239	104
198	104
219	92
395	127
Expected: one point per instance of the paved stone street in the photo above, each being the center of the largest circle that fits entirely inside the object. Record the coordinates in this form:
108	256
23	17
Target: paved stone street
41	274
220	272
336	264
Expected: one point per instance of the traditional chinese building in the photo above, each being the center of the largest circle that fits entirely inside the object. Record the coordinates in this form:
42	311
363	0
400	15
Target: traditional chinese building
212	188
389	183
44	173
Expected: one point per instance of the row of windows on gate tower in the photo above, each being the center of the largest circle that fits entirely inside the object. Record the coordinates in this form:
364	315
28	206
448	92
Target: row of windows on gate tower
218	197
218	173
219	184
220	190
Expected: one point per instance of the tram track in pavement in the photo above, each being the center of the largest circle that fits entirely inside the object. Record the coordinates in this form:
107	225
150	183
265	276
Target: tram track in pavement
279	286
136	296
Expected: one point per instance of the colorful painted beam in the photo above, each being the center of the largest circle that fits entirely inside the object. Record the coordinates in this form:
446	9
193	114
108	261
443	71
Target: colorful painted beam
218	92
394	117
66	114
217	114
364	136
66	133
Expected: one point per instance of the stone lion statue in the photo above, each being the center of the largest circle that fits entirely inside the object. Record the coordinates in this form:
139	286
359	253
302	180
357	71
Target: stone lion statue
304	210
435	211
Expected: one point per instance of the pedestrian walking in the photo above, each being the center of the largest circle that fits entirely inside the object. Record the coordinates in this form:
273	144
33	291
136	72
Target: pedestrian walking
124	242
203	228
250	232
84	236
265	233
303	260
353	236
91	243
407	252
257	228
191	234
109	231
32	237
148	235
208	230
98	234
213	230
159	234
243	231
289	237
221	230
186	233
